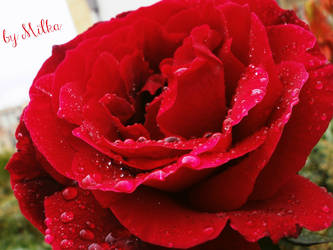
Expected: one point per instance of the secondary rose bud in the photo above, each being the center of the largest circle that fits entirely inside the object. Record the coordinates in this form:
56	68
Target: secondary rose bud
179	125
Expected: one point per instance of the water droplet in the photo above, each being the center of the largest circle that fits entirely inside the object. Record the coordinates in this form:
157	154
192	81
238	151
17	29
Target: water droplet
323	116
48	222
66	217
90	224
110	239
170	244
65	244
190	160
48	231
129	141
70	193
250	222
19	135
295	92
319	85
88	181
208	230
141	139
180	71
325	209
256	92
172	139
48	238
207	135
95	246
86	234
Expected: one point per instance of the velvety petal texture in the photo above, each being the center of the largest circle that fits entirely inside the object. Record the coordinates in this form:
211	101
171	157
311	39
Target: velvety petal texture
181	125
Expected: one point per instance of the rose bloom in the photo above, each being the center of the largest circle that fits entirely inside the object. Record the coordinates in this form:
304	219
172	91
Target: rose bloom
179	125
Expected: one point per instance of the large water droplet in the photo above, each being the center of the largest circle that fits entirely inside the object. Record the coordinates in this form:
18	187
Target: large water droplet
66	217
48	238
70	193
190	160
86	234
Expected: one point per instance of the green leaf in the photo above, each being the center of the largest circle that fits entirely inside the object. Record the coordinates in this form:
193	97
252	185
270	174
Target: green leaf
308	238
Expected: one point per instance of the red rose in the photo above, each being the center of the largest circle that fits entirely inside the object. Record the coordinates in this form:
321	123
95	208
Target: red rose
179	125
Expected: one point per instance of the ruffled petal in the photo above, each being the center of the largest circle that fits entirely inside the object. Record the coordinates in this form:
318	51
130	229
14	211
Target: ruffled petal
299	203
308	122
75	220
159	220
29	180
51	136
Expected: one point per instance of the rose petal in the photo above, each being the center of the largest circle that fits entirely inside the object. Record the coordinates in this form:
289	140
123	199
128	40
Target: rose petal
78	221
237	181
30	182
71	103
159	220
308	122
260	55
195	102
299	203
228	239
290	42
238	23
52	137
233	68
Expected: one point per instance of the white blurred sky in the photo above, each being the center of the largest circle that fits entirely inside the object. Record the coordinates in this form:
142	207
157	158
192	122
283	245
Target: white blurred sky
19	65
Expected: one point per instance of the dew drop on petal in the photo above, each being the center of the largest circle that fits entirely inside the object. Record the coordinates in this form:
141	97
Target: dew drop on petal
70	193
129	141
208	230
190	160
323	116
250	222
86	234
48	238
95	246
141	139
110	239
66	217
65	244
172	139
319	85
48	221
88	181
90	224
325	209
